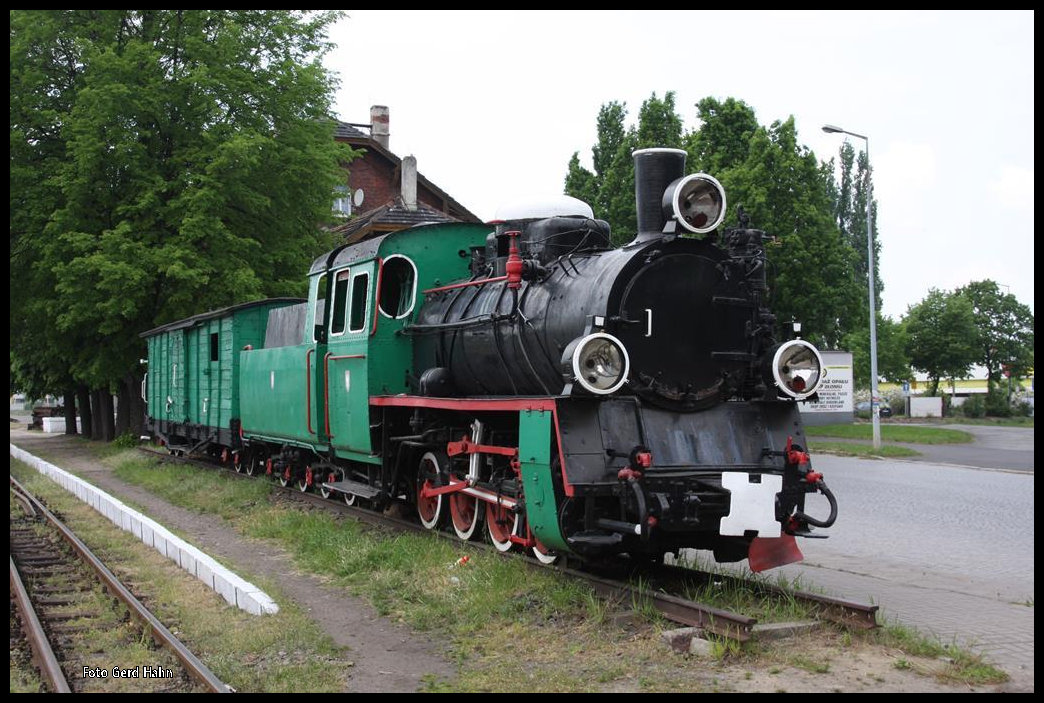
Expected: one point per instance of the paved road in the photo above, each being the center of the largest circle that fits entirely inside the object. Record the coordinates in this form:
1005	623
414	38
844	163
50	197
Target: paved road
993	448
945	548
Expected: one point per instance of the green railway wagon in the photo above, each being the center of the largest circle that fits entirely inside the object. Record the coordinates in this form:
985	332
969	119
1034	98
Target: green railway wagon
310	397
192	386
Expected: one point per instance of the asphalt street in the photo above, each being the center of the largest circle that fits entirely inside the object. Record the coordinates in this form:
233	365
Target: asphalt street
944	547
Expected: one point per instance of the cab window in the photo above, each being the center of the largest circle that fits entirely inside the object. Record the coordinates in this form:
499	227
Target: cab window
340	303
360	291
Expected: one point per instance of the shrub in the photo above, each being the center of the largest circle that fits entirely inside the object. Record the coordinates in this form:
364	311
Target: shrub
975	406
127	440
997	403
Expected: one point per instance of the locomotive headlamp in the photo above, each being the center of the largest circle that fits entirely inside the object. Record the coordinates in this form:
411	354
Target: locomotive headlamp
697	202
797	369
598	362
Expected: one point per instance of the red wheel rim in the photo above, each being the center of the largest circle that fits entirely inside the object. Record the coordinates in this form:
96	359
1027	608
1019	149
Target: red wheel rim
428	508
463	510
501	522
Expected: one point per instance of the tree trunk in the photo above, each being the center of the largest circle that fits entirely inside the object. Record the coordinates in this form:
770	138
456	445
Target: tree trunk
96	414
135	403
70	411
122	403
83	399
108	426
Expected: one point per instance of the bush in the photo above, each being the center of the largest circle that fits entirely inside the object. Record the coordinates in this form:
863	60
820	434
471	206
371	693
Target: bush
947	405
897	402
997	403
127	440
974	406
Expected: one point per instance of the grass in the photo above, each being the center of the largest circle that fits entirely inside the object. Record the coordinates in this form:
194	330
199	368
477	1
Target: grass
994	421
861	450
956	664
892	433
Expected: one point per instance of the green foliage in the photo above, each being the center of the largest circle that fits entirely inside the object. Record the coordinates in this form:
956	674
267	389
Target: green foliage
997	404
127	440
610	189
893	363
1005	331
941	337
164	162
723	140
974	406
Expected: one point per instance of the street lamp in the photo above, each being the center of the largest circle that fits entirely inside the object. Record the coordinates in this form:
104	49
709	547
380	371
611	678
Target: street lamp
875	401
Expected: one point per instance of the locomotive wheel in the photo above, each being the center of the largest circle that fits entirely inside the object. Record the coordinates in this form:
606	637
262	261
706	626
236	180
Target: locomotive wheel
237	462
543	554
428	509
330	478
284	478
465	512
253	464
352	499
501	523
305	481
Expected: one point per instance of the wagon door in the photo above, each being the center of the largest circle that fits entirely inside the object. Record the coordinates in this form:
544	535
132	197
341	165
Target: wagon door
345	386
176	402
210	376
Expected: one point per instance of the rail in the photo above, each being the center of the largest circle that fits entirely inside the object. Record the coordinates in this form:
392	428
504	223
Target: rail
197	669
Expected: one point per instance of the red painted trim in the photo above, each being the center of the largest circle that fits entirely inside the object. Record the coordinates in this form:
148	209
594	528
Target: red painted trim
308	388
567	487
458	486
479	282
326	382
465	446
415	401
514	264
377	296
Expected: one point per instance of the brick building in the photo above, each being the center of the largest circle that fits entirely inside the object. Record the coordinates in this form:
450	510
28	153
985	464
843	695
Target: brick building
385	193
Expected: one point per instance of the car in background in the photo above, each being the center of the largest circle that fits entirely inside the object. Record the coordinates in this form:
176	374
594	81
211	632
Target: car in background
864	407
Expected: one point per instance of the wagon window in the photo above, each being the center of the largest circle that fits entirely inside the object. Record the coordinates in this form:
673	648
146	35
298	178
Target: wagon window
398	287
320	305
360	289
337	320
214	346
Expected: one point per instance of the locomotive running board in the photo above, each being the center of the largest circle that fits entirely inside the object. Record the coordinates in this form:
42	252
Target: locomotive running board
354	487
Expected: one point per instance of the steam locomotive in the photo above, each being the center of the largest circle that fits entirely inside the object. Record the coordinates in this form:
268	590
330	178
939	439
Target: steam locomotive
525	376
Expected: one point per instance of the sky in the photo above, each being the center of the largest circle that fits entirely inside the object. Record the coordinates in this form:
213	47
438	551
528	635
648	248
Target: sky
494	103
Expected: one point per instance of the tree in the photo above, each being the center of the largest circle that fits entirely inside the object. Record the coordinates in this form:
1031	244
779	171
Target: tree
893	363
785	191
610	189
942	336
723	139
164	162
1004	338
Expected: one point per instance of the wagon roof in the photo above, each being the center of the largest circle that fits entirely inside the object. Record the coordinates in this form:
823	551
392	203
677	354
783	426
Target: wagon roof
202	317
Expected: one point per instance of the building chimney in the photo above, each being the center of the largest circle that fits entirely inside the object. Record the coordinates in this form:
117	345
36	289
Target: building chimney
379	125
409	182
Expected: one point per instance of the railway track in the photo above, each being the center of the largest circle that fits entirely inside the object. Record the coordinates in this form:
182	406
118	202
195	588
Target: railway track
673	607
72	608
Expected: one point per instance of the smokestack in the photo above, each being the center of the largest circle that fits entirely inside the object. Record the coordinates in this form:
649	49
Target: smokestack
379	125
409	182
654	170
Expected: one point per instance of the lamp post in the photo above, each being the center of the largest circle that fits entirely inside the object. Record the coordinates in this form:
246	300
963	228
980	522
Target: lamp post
875	401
